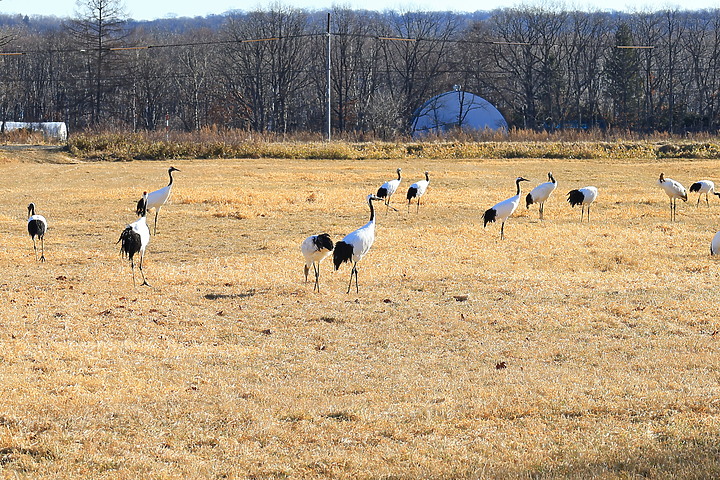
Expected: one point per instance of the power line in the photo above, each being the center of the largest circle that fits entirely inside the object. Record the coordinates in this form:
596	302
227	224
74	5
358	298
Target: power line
383	38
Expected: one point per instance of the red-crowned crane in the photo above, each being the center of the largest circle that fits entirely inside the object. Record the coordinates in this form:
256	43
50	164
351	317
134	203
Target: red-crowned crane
706	187
417	190
37	226
315	249
157	198
541	193
387	189
674	190
356	245
582	196
504	209
135	239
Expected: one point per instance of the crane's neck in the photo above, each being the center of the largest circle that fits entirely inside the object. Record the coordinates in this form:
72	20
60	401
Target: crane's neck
552	179
372	211
398	174
517	182
427	177
144	208
171	179
31	210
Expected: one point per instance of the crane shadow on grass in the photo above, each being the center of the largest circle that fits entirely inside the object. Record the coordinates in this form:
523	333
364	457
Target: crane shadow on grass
230	296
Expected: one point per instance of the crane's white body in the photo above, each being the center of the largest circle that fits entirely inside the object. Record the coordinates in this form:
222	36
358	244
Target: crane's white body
388	188
417	190
37	226
715	245
584	197
503	210
158	198
356	244
541	193
361	240
674	190
140	227
315	249
703	186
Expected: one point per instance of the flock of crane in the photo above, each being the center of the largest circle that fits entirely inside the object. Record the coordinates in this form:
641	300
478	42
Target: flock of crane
356	245
135	237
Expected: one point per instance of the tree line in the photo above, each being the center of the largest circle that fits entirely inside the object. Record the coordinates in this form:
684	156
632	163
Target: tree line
265	70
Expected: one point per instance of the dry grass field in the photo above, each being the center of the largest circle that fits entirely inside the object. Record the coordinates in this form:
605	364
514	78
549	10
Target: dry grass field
582	350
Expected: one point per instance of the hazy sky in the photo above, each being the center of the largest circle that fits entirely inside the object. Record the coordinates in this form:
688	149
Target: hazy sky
148	9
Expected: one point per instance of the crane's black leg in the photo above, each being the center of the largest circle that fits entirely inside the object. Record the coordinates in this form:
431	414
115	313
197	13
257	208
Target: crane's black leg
588	215
317	277
132	270
42	248
157	211
418	206
34	247
143	273
502	230
357	288
541	210
707	201
351	277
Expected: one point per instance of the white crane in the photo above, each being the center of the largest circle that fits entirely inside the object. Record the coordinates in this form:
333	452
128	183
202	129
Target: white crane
135	239
582	196
715	245
356	245
674	190
157	198
388	188
417	190
37	226
503	210
541	193
706	187
315	249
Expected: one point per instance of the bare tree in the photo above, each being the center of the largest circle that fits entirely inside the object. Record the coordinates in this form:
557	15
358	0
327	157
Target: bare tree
416	58
265	65
98	27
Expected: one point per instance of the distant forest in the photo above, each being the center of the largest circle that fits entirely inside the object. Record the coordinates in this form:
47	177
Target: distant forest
265	70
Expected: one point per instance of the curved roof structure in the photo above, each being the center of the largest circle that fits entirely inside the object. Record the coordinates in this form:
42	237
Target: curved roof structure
457	109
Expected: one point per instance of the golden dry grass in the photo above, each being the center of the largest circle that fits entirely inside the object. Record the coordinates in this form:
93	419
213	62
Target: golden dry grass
231	367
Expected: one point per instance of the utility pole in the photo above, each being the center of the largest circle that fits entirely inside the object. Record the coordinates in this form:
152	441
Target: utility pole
327	78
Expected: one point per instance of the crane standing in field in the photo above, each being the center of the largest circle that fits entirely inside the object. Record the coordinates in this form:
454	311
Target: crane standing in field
582	196
157	198
674	190
356	245
503	210
315	249
706	187
541	193
388	188
37	226
135	239
417	190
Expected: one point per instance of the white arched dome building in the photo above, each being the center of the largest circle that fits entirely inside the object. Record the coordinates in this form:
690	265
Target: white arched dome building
457	109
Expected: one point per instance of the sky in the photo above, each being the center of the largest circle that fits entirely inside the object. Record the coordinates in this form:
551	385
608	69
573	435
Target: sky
149	10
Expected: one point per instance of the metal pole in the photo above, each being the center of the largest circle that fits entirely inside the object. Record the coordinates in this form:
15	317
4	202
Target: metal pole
329	104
